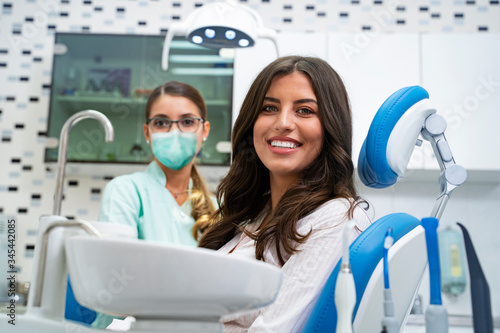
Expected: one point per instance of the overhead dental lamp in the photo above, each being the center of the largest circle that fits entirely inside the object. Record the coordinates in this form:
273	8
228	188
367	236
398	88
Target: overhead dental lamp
224	24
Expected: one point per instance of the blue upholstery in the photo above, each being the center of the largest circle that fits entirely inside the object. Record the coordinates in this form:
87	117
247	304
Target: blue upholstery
75	311
365	253
373	168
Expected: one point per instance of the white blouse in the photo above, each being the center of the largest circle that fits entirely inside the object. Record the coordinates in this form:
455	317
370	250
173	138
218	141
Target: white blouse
304	273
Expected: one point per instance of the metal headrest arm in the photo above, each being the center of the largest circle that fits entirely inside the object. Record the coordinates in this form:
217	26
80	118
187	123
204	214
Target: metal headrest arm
452	175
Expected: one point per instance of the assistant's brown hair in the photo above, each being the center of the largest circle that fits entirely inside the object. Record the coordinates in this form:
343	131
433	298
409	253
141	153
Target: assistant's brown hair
203	207
244	192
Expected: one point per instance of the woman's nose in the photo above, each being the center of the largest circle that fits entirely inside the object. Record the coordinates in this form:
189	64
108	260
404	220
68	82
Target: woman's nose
284	121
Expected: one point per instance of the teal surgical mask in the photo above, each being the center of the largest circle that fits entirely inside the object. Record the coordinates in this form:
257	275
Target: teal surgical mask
174	149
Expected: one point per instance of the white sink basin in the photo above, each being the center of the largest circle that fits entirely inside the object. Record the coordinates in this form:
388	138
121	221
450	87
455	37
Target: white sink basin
155	281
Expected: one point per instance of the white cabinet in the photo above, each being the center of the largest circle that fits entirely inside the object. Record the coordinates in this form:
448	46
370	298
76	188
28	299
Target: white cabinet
461	72
373	67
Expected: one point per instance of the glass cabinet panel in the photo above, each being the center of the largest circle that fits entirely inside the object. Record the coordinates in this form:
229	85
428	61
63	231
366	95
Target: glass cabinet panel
114	74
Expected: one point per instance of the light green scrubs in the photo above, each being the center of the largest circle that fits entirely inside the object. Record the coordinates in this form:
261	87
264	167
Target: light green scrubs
142	201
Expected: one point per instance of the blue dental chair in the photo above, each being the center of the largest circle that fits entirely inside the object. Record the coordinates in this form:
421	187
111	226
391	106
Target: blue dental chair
386	151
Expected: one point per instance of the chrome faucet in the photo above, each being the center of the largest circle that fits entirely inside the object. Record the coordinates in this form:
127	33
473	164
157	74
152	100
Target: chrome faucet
63	148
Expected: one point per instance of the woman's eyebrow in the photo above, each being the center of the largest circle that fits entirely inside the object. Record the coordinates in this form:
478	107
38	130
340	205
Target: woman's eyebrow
271	99
305	100
182	116
189	115
299	101
160	115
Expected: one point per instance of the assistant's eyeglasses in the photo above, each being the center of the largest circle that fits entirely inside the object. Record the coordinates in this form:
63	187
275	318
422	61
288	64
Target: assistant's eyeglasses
189	124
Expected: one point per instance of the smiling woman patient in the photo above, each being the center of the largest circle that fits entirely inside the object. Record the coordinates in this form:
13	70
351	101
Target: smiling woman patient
290	189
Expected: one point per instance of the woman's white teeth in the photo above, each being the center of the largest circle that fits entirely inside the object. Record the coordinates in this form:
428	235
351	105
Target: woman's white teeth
284	144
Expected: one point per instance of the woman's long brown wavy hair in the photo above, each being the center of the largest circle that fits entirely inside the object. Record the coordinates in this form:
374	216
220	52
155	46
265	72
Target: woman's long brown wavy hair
203	207
244	193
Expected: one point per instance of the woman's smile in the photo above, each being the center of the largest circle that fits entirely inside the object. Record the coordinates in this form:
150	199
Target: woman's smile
283	145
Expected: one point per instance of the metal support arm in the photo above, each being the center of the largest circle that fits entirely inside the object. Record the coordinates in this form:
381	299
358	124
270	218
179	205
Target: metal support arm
452	175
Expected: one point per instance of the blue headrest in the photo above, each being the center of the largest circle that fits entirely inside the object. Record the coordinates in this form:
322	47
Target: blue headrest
364	255
373	168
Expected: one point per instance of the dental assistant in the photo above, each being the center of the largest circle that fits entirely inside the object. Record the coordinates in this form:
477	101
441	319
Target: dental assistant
168	202
290	189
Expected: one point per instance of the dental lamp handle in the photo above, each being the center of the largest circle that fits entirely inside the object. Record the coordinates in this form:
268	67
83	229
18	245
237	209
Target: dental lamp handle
271	35
262	32
176	29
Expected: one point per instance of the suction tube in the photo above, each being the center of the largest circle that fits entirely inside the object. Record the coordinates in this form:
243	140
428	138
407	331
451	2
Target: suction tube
345	290
436	316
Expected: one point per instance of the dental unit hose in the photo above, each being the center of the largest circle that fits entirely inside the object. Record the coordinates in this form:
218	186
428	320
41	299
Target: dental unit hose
345	290
389	322
436	316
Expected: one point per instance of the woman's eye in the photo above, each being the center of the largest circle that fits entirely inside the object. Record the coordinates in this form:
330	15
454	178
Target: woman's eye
187	122
269	108
305	111
160	123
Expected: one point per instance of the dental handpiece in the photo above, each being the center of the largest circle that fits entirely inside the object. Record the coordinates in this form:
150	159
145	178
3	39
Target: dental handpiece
345	289
389	322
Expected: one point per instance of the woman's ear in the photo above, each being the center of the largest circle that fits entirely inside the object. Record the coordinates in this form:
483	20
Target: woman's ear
146	133
206	130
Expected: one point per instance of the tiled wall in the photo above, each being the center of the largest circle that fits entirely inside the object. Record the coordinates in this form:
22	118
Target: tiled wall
27	30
